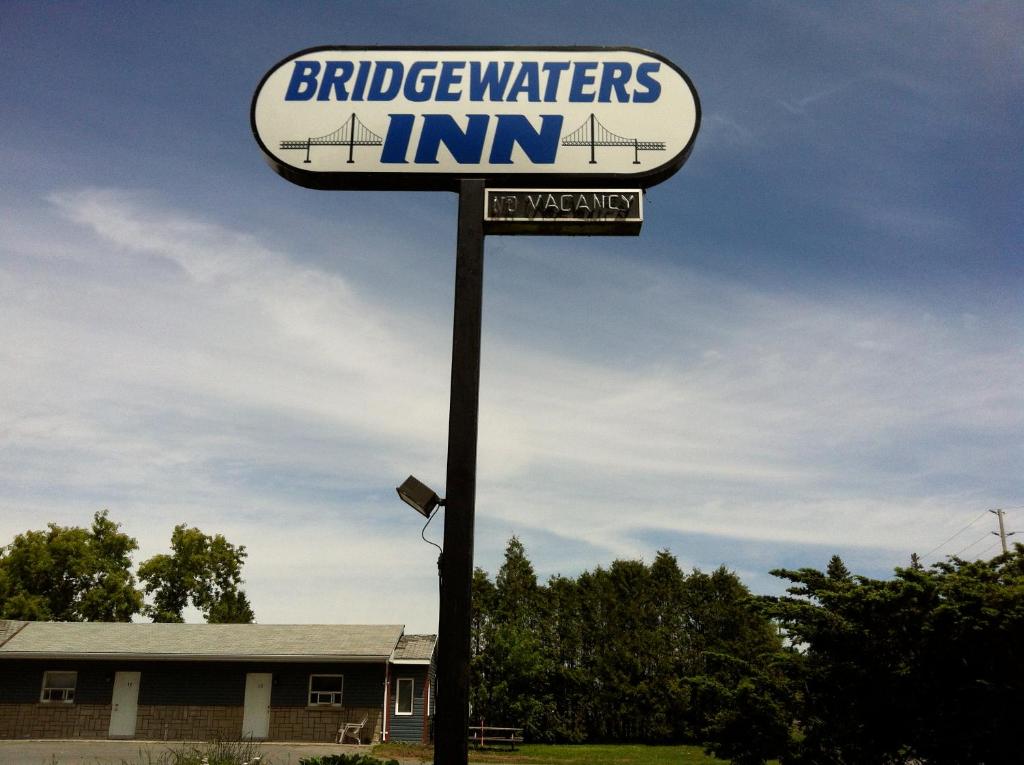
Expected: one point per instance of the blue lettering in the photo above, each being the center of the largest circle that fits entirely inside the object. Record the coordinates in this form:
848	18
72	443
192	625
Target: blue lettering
540	147
419	86
396	142
466	147
653	87
527	81
336	74
448	78
378	90
614	77
361	77
554	70
488	80
303	83
582	76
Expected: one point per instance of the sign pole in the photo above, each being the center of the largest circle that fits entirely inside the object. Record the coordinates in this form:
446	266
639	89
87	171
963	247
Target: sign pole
456	564
406	108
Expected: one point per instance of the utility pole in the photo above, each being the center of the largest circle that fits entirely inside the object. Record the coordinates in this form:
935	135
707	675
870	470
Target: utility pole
1002	529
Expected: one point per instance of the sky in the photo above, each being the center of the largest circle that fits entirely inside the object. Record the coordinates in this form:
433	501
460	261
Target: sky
815	345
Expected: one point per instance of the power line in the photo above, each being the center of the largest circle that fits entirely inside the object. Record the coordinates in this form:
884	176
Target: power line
972	544
937	547
988	549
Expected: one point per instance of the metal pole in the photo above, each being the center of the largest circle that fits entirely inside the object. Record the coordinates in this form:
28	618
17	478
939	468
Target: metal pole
456	564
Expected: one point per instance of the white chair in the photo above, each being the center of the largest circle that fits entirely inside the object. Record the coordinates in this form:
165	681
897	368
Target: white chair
353	730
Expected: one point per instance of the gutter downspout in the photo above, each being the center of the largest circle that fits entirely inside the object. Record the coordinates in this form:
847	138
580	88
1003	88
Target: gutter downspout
387	688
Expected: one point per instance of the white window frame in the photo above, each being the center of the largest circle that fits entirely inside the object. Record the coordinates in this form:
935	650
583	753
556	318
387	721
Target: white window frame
51	694
398	695
334	697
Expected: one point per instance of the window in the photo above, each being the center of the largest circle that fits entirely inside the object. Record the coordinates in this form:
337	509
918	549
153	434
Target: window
403	696
325	690
59	687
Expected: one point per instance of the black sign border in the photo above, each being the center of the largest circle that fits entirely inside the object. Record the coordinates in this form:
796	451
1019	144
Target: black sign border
402	181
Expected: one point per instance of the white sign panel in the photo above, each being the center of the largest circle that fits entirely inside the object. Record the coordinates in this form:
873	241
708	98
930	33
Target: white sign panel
417	118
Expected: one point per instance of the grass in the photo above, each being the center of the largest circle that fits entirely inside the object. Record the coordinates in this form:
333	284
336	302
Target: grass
235	753
211	753
564	754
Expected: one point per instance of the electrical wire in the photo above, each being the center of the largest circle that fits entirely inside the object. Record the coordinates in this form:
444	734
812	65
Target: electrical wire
972	544
938	547
424	530
987	549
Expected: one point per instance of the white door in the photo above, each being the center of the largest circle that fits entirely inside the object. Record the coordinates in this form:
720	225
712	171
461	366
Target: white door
124	705
256	719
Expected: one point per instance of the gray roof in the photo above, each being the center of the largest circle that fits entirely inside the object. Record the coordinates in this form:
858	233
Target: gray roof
221	642
414	649
8	629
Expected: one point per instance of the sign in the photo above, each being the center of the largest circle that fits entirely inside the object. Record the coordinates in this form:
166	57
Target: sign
591	212
425	118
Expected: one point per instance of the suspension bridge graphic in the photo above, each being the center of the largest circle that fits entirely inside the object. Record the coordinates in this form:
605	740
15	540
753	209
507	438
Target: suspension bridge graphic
593	134
352	133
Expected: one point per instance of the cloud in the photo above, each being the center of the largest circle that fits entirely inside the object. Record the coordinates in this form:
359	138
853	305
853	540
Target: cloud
799	106
174	370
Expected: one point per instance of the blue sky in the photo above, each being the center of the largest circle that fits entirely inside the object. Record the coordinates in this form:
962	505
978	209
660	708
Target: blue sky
816	344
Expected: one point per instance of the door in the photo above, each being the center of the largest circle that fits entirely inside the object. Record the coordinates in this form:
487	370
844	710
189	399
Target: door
256	718
124	704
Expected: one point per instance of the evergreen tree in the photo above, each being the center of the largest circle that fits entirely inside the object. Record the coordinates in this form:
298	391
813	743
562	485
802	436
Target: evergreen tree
836	570
927	665
609	655
515	591
512	669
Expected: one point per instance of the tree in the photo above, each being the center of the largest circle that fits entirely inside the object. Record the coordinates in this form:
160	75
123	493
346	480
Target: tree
610	655
201	569
515	588
67	573
737	690
722	618
482	609
512	668
836	570
746	711
928	664
561	632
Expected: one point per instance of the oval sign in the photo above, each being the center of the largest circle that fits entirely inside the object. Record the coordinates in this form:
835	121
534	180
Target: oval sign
425	118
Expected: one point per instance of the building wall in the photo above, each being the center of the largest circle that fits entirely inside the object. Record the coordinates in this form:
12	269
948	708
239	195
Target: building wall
414	727
187	700
23	716
54	721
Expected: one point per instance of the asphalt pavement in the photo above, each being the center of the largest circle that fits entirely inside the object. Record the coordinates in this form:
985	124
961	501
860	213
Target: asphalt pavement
78	752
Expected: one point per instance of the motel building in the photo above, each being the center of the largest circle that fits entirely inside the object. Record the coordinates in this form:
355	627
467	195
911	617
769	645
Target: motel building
296	682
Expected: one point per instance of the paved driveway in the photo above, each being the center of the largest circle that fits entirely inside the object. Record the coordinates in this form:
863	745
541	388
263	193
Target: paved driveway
61	752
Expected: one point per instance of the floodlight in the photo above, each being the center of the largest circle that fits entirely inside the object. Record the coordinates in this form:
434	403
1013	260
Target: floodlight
419	496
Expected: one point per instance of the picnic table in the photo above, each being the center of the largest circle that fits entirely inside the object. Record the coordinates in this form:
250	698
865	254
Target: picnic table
490	735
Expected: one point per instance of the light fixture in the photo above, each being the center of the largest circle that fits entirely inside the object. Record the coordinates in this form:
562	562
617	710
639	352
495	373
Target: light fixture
419	496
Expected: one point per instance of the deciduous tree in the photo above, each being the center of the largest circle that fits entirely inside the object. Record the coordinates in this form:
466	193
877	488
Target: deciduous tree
68	573
203	570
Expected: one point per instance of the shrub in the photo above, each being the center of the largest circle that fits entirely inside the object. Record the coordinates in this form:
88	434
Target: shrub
345	759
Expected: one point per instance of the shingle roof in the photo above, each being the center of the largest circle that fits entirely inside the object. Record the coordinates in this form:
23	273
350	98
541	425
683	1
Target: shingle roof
415	648
9	628
224	642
